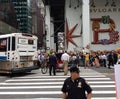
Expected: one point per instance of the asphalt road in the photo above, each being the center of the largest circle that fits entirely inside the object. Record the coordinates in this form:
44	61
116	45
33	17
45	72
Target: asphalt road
105	71
35	85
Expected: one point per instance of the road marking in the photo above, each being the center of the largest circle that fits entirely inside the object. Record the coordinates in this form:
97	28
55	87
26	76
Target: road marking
40	87
50	92
44	82
101	82
92	98
102	86
52	79
52	83
105	98
60	76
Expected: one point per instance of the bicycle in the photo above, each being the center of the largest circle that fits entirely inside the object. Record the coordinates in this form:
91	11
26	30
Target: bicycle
44	66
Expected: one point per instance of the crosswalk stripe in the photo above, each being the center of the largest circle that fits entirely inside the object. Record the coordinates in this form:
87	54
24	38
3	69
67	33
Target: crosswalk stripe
101	82
50	92
53	79
45	76
49	87
38	87
52	83
105	98
92	98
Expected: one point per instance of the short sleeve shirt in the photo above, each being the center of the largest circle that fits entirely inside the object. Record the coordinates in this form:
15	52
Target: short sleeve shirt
76	89
65	57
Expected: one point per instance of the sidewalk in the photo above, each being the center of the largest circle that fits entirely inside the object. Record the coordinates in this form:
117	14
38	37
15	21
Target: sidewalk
88	71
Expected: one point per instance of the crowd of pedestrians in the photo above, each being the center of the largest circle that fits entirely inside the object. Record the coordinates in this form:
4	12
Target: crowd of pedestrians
97	59
67	59
76	87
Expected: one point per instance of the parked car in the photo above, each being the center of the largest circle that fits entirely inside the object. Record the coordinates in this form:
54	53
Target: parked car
59	65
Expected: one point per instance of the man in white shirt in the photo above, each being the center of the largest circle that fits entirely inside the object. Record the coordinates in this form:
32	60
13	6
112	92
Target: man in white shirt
104	58
65	58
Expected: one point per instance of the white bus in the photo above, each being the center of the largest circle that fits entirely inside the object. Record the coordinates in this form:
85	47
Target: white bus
18	53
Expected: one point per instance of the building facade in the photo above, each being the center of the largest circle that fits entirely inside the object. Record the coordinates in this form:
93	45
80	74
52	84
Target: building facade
38	22
24	17
8	19
92	24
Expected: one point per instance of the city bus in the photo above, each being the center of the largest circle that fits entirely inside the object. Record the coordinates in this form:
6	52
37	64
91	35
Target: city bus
18	53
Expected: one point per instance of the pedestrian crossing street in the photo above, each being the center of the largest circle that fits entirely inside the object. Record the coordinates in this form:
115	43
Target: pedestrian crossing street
43	86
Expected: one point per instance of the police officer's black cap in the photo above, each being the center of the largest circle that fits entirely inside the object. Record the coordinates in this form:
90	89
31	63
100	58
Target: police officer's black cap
74	69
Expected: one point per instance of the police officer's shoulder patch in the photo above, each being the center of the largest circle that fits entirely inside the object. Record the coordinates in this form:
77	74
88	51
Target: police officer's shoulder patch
79	84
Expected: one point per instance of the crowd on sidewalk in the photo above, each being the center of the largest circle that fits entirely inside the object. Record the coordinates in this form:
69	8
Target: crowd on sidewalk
85	59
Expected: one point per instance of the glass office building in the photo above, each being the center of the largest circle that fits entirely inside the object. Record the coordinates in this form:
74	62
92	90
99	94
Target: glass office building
24	17
15	15
8	19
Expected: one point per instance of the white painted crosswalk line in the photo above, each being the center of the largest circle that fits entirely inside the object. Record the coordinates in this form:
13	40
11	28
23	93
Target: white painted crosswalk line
44	86
52	79
58	83
92	98
60	76
50	92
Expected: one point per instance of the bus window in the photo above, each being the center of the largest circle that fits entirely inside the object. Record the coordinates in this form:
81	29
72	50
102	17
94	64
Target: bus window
9	44
13	43
3	44
31	42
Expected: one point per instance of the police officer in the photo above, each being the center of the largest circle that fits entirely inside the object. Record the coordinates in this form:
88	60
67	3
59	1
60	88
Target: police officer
75	87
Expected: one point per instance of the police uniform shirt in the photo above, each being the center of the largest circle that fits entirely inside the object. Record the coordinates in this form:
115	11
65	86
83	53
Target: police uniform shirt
76	89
